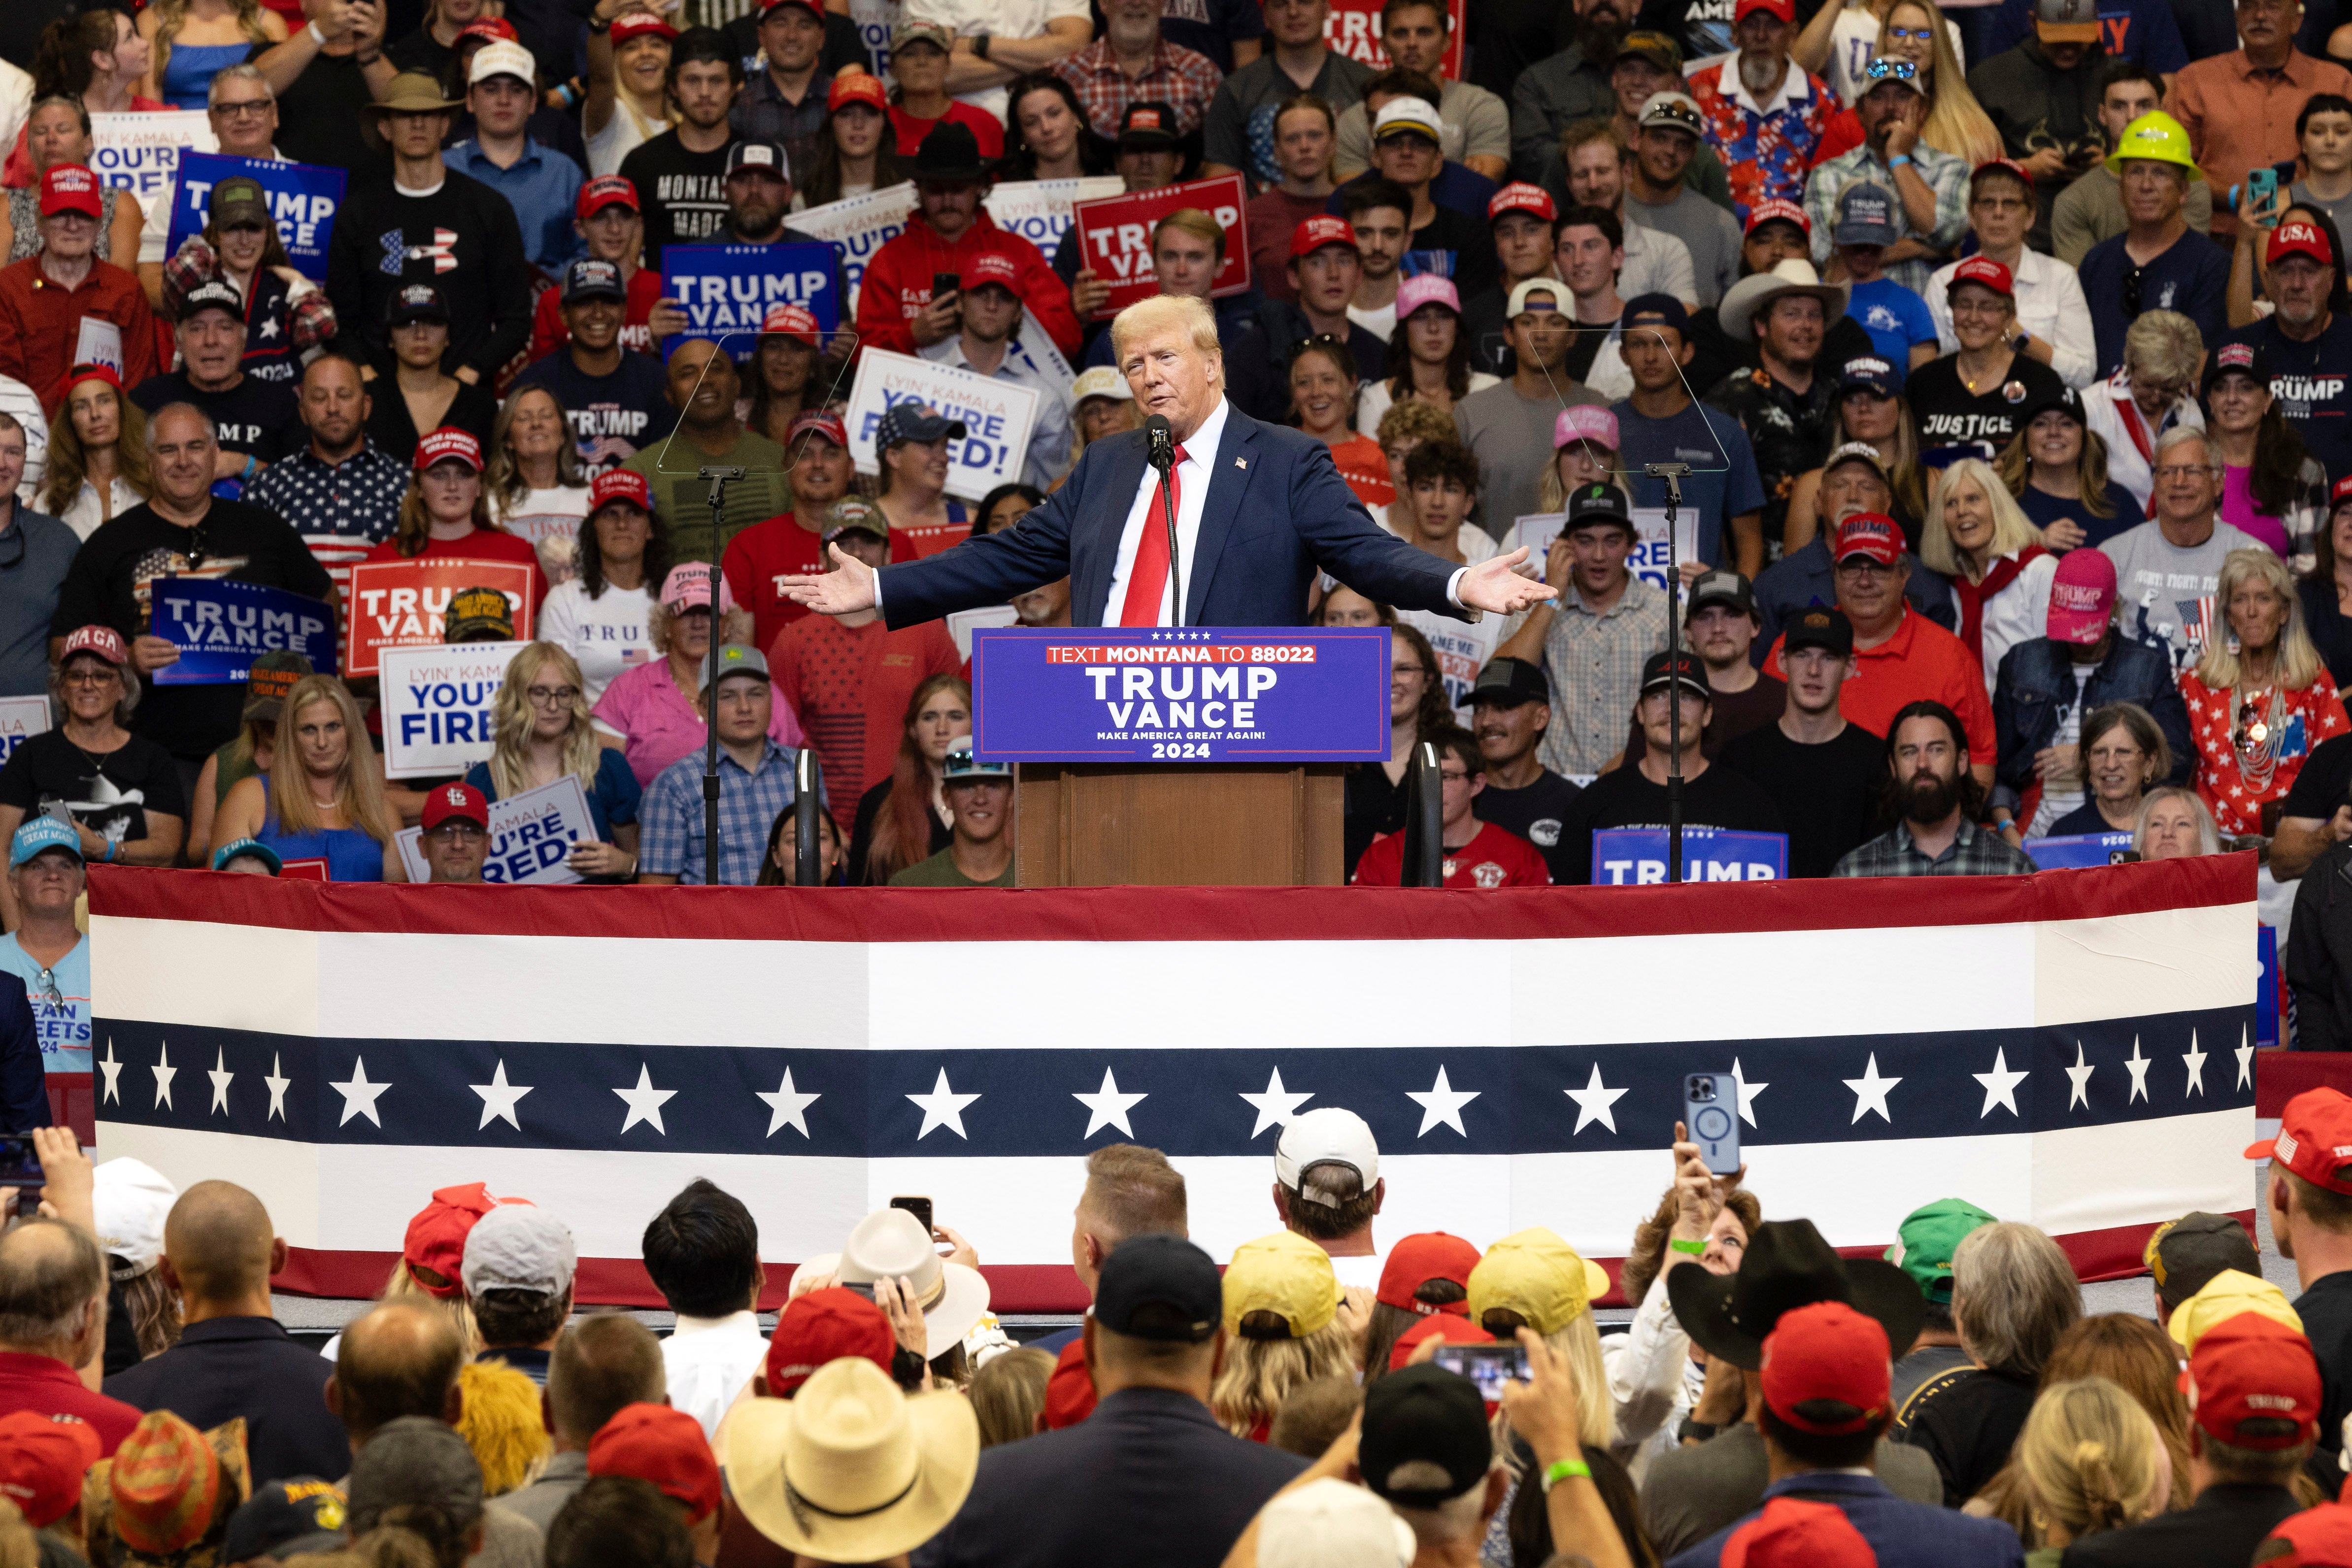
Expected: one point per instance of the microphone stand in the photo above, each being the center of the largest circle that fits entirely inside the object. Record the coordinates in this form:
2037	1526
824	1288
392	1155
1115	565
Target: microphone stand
718	476
1163	459
1671	473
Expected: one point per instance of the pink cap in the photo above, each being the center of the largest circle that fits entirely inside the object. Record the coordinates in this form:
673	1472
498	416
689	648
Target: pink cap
1427	288
1585	422
687	587
2081	597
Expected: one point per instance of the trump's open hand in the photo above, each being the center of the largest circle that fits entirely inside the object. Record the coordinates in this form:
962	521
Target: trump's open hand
848	588
1493	585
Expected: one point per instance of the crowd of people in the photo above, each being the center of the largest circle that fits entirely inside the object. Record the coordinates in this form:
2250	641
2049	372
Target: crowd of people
1330	1393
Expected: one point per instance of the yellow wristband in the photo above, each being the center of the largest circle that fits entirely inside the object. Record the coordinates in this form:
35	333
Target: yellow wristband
1562	1469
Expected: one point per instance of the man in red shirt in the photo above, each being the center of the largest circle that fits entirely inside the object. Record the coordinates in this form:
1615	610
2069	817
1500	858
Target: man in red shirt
947	230
52	1274
59	305
1478	856
849	677
1900	657
606	217
764	555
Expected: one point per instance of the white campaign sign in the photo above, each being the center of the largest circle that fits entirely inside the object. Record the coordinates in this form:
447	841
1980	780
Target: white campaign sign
963	623
141	154
997	417
858	226
437	707
21	718
531	835
1039	209
1538	530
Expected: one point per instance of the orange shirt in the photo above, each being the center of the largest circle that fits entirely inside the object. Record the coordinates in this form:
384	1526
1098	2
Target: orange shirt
1922	662
40	322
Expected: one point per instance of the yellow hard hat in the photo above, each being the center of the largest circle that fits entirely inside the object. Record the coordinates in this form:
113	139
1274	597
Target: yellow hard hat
2157	136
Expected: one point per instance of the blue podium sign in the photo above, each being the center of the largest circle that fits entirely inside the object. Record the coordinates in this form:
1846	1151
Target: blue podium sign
1636	857
1141	694
2076	849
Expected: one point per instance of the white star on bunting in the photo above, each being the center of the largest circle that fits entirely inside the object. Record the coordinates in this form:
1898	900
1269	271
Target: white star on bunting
942	1107
1870	1092
1107	1107
276	1083
163	1072
1999	1085
114	1070
1441	1104
2194	1059
1593	1102
499	1098
2079	1079
2139	1065
645	1101
1277	1105
220	1075
789	1107
1747	1092
359	1094
2245	1054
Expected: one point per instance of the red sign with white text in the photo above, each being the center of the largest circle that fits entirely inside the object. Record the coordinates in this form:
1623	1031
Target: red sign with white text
1352	27
400	603
1115	237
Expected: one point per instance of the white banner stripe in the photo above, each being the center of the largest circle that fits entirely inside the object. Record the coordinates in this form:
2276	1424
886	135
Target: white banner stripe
2166	960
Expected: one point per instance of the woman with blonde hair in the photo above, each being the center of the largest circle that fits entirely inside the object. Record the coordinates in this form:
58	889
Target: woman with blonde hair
1008	1394
1978	536
537	491
97	452
1954	122
2153	391
328	803
192	39
2091	1461
543	732
2259	698
2173	824
1531	1279
1283	1328
2134	1355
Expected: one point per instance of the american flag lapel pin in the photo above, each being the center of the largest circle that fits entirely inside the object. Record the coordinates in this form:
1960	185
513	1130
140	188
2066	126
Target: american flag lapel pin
1240	463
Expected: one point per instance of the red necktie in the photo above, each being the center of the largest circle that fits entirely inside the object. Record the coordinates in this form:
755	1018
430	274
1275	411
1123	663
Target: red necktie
1146	580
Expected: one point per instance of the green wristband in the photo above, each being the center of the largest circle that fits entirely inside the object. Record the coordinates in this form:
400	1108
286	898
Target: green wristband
1695	1249
1562	1469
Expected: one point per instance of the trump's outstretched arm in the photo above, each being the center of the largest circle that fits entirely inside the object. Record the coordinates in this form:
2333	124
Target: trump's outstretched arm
989	570
1345	541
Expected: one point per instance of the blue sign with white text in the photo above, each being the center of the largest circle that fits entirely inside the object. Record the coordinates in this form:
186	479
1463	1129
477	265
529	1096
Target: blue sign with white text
220	627
2074	850
1636	857
1142	694
303	198
727	288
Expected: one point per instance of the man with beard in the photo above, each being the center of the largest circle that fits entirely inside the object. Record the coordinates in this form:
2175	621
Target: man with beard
992	315
1579	83
759	190
1931	187
1934	797
703	387
1900	657
1476	126
1767	119
1510	709
2302	336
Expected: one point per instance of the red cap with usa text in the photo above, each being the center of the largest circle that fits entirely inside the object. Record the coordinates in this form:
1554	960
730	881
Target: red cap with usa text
655	1443
2298	239
2315	1139
1872	534
1319	231
1826	1354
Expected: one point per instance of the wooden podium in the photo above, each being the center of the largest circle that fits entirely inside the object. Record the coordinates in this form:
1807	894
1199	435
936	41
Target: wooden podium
1094	824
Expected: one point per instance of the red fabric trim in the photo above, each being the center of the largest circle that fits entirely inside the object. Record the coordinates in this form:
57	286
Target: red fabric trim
1164	914
2280	1075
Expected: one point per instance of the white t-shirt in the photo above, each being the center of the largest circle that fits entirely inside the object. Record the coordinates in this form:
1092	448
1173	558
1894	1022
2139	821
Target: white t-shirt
606	635
2056	803
1380	323
1373	400
550	519
998	19
623	134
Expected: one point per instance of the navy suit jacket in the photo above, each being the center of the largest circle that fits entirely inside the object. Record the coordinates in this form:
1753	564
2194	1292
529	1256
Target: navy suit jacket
1276	512
24	1082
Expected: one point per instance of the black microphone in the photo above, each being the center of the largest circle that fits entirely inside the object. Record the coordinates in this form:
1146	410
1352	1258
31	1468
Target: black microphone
1161	443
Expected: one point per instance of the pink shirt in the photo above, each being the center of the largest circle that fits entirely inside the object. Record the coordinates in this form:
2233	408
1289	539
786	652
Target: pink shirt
644	706
2238	509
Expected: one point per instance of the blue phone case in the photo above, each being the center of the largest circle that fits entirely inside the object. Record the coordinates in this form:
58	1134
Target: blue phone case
1714	1123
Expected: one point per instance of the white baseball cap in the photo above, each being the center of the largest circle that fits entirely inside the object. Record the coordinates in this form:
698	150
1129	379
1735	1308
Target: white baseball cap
1331	1136
1332	1524
1409	113
500	59
1100	381
129	1200
519	1247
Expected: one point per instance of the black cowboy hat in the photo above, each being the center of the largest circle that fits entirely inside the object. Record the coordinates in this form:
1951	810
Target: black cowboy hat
1788	1265
950	153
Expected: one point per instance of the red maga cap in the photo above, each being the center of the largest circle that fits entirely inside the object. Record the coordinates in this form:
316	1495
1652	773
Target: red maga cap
461	802
991	266
1826	1349
797	321
620	484
606	191
1793	1534
437	1232
70	188
1872	534
1319	231
446	443
1784	9
2342	493
42	1460
2317	1538
638	25
2253	1368
818	421
1985	273
858	89
2006	166
1519	196
830	1324
2314	1135
1777	211
2298	239
487	29
102	640
655	1443
1417	1259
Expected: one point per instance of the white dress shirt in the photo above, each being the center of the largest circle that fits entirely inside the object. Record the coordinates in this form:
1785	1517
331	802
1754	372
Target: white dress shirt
2050	305
709	1361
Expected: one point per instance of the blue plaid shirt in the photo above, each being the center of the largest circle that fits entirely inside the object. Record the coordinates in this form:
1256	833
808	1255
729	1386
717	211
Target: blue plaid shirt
671	816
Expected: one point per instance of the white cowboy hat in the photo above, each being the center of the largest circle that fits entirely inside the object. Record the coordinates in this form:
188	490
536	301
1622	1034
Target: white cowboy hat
891	1243
849	1469
1793	274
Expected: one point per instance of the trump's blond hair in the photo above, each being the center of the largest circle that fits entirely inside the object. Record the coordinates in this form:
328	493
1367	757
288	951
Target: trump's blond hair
1159	314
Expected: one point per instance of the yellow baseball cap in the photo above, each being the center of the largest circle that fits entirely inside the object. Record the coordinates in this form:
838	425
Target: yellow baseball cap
2225	1295
1536	1275
1284	1274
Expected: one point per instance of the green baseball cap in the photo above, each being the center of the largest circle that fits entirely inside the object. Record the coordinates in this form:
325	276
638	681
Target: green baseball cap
1926	1240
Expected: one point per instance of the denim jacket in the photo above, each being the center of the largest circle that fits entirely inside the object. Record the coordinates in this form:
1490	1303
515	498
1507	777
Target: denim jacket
2037	677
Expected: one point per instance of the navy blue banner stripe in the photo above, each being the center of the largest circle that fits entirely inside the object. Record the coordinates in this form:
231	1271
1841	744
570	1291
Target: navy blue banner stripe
711	1099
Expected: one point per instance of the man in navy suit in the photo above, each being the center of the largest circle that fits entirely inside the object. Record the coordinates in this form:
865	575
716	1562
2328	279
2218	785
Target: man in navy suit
1259	509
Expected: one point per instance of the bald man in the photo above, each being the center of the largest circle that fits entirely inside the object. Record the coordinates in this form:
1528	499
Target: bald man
234	1358
53	1320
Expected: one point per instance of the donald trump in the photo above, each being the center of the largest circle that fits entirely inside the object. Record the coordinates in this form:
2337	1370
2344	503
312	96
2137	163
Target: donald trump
1259	509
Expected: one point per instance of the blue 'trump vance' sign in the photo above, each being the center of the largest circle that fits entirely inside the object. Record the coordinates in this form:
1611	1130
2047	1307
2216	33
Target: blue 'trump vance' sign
220	626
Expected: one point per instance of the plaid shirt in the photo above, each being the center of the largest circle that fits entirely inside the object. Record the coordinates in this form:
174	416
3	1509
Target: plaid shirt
748	804
1593	660
761	113
1177	77
1946	175
1973	853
